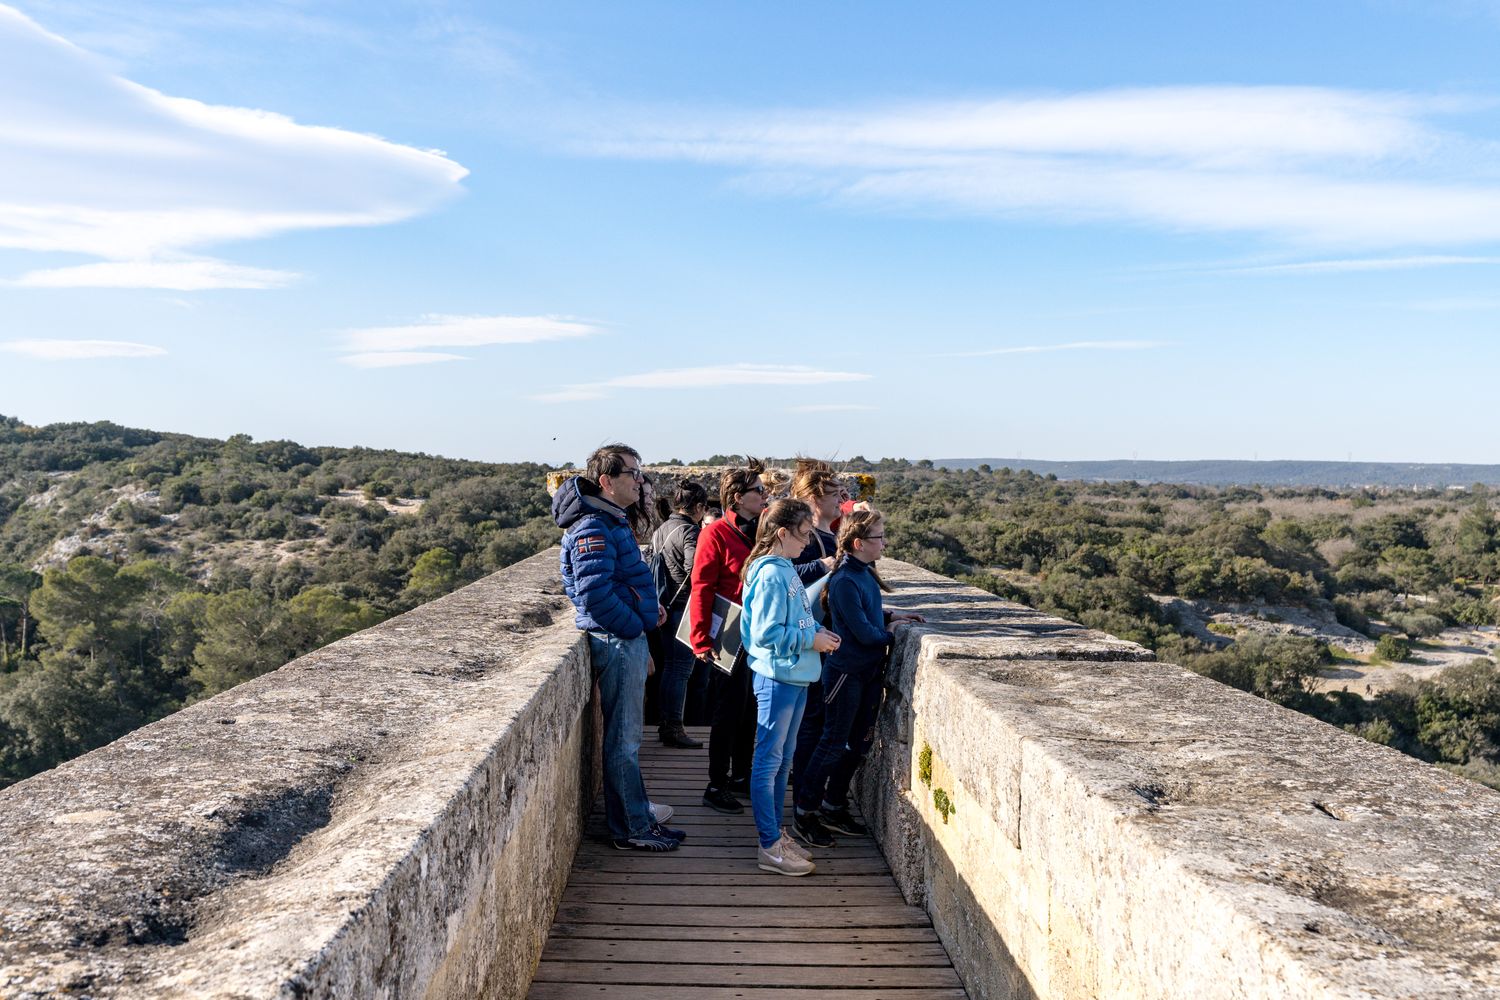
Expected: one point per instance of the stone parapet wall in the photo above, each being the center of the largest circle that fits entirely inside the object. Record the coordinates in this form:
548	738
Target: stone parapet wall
1087	823
393	815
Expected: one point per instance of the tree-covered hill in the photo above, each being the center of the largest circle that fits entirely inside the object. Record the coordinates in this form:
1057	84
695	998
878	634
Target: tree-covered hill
1218	472
140	570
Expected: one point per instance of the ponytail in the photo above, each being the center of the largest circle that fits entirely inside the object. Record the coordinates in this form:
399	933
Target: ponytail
788	514
684	498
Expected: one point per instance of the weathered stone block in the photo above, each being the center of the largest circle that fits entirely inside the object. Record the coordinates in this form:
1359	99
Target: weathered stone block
391	816
1126	828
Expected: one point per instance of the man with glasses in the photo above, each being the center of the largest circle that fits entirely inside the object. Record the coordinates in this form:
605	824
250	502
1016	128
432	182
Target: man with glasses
611	587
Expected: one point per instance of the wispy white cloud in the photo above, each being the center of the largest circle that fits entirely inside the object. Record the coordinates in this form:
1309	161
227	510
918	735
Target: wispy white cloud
1078	345
830	408
439	330
181	276
1308	166
1357	264
398	359
95	164
710	377
79	350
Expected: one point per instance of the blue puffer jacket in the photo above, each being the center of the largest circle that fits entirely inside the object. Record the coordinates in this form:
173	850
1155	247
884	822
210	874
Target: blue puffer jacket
602	569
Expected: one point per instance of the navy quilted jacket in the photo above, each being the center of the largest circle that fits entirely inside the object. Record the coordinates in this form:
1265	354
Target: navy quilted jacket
602	569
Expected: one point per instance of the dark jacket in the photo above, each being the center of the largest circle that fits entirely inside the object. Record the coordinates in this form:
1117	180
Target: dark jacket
602	570
810	567
809	564
677	541
858	619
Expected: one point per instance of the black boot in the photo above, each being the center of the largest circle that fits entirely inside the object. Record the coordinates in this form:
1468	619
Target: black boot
673	735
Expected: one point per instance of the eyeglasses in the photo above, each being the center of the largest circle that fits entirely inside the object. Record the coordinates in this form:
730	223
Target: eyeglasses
635	474
874	538
756	489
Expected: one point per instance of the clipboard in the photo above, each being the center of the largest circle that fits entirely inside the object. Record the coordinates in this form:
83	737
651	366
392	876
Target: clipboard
723	630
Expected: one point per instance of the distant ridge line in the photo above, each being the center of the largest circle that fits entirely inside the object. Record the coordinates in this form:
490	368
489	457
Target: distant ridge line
1240	472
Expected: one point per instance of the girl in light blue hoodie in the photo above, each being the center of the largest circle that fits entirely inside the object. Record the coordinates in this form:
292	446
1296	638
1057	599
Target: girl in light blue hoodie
782	639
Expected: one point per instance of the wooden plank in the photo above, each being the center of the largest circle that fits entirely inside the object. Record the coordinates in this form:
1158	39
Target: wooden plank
671	952
703	923
837	935
691	849
829	862
757	975
744	876
802	892
671	917
615	991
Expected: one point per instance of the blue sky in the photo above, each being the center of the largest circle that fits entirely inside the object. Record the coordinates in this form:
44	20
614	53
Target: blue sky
1063	230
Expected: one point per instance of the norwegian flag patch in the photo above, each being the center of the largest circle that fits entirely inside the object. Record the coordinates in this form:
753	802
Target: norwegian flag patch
590	543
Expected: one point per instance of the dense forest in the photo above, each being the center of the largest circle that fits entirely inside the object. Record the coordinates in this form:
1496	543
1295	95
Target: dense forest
140	571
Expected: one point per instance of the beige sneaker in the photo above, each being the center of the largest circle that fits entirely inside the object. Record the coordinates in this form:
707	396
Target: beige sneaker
778	859
793	847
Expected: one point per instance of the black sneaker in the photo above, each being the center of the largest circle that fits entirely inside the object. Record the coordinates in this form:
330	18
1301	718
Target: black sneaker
668	832
718	798
839	821
676	736
810	831
739	786
648	841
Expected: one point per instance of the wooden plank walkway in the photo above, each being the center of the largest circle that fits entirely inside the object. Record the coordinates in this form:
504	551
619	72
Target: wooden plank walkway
704	923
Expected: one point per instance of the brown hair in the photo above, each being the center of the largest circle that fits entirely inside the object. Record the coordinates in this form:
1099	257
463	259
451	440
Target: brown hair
857	524
812	482
786	514
638	514
735	482
608	461
687	496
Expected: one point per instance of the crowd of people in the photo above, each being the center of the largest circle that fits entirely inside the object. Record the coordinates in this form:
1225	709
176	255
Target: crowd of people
797	704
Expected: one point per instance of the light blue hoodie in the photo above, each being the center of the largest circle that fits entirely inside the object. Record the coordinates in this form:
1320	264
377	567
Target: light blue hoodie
778	626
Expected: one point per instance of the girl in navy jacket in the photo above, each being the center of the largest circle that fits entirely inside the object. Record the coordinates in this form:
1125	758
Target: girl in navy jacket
852	680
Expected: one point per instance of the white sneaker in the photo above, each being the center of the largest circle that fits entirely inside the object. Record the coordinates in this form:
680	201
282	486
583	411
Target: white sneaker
778	859
793	847
660	813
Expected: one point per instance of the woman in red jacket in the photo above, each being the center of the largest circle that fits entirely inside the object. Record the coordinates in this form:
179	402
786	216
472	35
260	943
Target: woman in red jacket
722	548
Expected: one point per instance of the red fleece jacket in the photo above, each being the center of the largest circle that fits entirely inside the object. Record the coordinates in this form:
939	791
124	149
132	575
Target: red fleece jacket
722	550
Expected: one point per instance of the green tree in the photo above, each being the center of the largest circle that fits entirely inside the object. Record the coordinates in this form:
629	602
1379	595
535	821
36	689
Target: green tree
16	586
244	634
319	616
434	574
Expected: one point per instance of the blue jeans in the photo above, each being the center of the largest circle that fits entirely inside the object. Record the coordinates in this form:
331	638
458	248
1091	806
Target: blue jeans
850	708
778	714
676	674
620	669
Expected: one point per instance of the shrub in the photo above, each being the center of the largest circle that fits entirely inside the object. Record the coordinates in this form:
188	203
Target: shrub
1393	648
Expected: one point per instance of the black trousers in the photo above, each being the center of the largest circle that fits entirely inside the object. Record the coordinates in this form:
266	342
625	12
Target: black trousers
808	735
731	736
